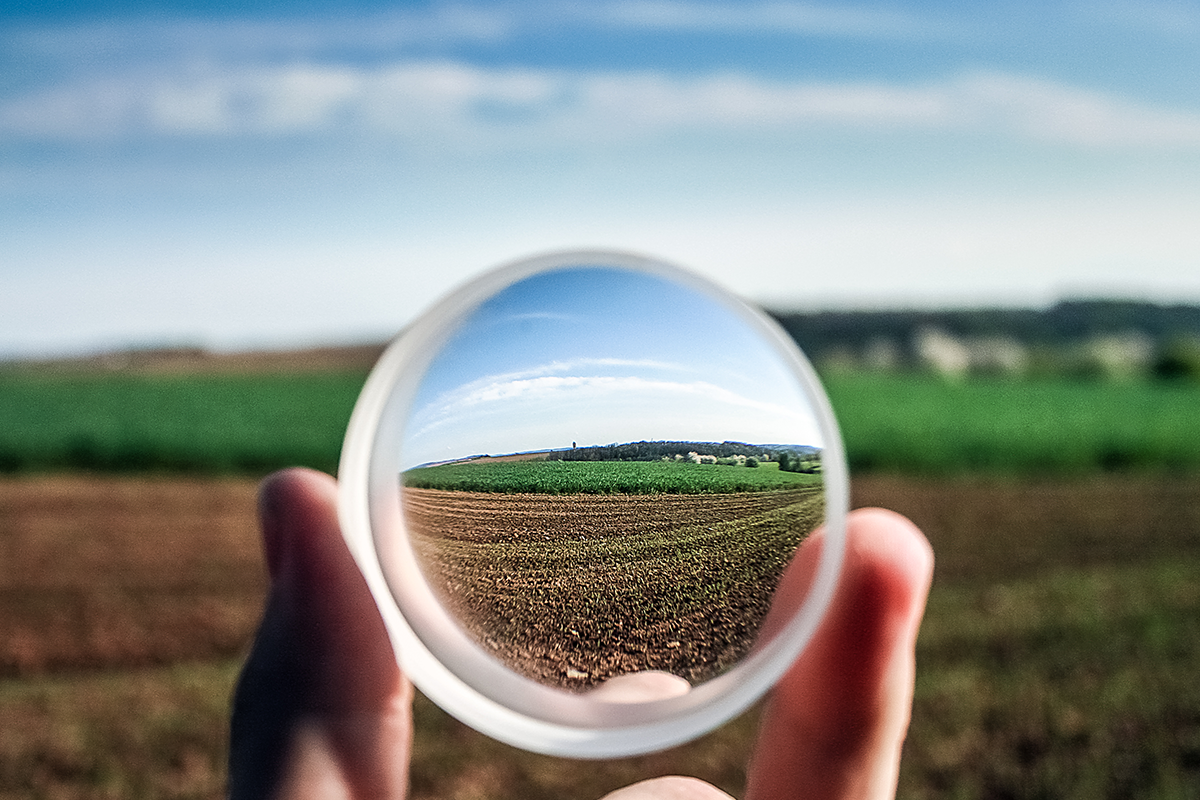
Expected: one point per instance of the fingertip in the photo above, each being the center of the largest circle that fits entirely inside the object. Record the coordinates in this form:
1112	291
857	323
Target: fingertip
321	693
319	594
669	787
881	594
888	551
285	498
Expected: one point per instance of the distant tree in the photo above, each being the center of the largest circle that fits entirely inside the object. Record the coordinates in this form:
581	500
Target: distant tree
1178	360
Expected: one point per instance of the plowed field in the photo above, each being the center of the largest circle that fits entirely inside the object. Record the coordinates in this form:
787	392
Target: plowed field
1058	657
99	571
574	589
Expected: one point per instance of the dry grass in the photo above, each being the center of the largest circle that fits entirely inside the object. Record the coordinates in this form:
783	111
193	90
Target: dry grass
124	733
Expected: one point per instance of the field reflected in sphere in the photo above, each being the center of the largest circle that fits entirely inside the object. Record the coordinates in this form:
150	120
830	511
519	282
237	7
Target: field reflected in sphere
605	472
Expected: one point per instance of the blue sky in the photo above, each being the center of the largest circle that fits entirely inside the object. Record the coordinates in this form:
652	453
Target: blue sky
272	174
595	355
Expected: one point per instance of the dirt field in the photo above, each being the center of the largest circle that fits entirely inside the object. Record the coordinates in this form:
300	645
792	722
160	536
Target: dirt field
199	361
572	590
97	572
107	571
985	530
1057	659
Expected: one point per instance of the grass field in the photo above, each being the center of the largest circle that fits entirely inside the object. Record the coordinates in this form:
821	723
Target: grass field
252	423
222	423
605	477
930	426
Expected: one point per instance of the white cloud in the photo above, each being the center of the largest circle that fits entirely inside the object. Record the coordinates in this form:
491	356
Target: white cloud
522	381
450	105
1055	112
298	98
611	408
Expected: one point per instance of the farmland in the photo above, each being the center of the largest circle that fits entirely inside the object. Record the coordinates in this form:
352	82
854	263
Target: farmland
917	424
573	589
252	422
1057	658
604	477
211	423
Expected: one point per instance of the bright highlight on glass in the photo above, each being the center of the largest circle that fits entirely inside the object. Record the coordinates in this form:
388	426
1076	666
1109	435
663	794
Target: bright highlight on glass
599	502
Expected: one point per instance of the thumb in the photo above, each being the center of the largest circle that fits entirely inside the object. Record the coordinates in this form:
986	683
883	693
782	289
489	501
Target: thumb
320	695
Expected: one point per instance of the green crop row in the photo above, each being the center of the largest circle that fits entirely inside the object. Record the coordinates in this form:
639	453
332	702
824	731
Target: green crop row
190	423
603	477
911	424
931	426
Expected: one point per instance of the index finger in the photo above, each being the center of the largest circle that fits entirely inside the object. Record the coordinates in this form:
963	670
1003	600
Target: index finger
835	722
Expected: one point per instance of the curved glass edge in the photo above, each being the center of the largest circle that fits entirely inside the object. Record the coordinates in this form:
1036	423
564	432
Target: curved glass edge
514	709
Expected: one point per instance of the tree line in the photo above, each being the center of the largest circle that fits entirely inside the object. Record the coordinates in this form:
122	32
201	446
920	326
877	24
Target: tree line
656	451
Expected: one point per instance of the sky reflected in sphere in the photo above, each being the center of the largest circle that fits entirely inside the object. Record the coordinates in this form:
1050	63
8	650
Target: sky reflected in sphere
595	355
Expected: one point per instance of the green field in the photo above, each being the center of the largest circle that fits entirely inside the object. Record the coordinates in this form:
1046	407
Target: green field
247	424
251	424
604	477
929	426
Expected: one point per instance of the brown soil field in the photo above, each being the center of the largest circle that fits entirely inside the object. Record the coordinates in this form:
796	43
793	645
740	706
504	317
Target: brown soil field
99	571
125	603
991	529
201	361
572	590
102	571
532	456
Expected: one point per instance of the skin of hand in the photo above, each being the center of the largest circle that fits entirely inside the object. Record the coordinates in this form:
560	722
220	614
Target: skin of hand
322	711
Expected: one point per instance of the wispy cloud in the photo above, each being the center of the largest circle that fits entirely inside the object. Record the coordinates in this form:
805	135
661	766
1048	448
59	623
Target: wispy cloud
775	18
486	385
1049	111
401	73
584	397
445	104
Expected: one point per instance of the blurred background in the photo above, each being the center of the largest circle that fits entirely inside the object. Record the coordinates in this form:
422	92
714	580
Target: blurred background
979	221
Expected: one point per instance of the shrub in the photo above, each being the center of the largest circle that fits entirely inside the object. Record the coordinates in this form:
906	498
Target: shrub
1179	359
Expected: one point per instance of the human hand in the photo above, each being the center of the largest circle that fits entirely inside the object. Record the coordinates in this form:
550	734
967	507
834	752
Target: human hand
322	710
